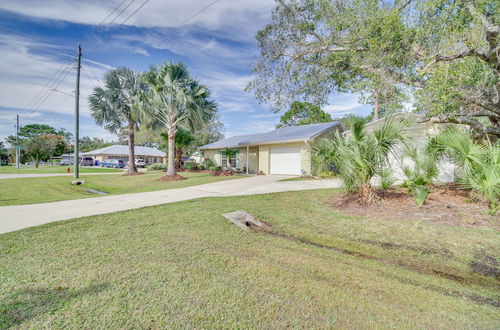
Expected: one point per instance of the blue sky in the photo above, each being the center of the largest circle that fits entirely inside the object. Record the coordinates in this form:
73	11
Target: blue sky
218	45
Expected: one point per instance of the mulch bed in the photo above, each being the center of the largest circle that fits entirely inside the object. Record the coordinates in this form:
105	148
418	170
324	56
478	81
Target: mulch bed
223	173
197	171
214	173
446	204
175	177
133	173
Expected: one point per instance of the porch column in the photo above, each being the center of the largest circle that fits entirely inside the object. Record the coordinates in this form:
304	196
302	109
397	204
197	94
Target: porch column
248	161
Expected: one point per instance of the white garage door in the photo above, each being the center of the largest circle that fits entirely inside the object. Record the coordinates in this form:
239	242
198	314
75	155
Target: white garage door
285	160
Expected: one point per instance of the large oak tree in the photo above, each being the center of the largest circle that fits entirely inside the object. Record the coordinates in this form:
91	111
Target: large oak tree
442	53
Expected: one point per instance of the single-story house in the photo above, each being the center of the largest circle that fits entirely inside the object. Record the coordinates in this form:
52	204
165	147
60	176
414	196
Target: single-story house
285	150
418	133
149	155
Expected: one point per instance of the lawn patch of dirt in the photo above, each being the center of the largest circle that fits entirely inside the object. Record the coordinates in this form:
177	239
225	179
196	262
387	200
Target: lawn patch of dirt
175	177
446	204
486	264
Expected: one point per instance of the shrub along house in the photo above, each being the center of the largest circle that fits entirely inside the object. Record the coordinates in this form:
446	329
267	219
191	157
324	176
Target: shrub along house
149	155
285	150
418	133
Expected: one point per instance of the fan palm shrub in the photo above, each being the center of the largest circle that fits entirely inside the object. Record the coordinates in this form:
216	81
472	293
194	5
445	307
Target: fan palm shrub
229	153
117	105
361	155
183	140
480	161
420	175
175	99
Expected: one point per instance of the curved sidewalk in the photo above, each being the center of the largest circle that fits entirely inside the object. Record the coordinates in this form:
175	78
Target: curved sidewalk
23	216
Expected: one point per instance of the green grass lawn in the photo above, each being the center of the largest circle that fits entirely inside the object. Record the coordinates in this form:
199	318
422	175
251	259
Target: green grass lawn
183	265
58	188
53	169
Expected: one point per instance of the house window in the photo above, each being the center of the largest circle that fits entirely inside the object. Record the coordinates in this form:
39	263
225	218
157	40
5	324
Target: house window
234	160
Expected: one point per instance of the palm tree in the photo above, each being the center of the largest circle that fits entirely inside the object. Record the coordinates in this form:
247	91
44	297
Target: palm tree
118	105
480	161
175	99
183	139
362	155
423	170
229	153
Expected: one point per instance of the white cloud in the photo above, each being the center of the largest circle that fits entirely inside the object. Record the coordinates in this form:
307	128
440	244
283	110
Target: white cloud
239	15
24	89
342	103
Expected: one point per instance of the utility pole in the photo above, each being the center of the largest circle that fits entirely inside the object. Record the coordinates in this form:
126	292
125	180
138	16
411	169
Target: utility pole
76	158
18	150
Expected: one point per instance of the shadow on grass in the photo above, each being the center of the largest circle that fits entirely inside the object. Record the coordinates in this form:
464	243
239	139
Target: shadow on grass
26	304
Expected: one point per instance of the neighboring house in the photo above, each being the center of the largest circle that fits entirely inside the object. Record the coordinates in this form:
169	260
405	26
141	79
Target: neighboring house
285	150
418	133
149	155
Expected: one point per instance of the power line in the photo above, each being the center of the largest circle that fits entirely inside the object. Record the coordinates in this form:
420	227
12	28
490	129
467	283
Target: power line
44	93
116	8
165	37
40	93
199	12
89	78
123	22
114	19
52	88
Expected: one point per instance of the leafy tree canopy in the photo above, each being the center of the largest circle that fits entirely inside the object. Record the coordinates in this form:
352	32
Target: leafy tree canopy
33	130
442	54
303	113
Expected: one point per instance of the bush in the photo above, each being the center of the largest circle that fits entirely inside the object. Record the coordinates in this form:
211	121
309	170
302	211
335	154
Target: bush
327	174
424	170
156	167
361	155
191	166
480	161
207	163
420	193
386	178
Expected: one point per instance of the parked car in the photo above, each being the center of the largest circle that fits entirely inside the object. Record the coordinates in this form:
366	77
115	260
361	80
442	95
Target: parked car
66	161
87	161
140	163
114	163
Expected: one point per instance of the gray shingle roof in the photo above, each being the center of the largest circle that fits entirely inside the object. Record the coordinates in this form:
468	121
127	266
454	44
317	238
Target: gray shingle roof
123	150
284	134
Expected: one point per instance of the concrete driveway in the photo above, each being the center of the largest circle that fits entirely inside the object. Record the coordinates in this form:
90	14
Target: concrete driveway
22	216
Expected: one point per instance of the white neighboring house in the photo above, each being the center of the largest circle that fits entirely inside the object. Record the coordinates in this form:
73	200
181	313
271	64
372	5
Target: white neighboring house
419	133
149	155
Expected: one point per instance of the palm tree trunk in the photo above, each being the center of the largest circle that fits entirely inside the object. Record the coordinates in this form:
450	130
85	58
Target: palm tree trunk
171	152
131	146
178	157
366	194
375	111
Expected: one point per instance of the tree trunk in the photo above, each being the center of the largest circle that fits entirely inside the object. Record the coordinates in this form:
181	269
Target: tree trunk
375	110
366	194
171	152
131	146
178	157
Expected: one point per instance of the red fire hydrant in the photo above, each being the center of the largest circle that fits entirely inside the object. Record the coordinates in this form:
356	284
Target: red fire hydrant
68	170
